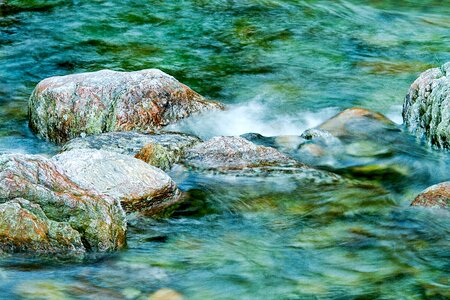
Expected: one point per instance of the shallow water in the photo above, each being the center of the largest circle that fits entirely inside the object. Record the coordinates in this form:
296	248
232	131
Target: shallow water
282	67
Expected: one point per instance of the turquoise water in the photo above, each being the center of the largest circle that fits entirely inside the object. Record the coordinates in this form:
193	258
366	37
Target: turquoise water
282	67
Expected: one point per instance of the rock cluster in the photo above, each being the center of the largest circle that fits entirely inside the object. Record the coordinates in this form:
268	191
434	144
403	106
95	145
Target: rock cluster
113	160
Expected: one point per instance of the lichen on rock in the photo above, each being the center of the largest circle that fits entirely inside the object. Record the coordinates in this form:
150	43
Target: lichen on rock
426	109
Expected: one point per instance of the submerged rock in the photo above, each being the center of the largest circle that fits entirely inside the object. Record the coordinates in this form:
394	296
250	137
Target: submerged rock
426	109
436	196
160	150
65	107
55	214
139	187
359	142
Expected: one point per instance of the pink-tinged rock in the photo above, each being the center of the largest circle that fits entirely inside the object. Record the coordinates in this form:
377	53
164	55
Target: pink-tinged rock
65	107
437	196
54	213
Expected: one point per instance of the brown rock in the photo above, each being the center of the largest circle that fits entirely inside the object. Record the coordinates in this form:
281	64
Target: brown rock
65	107
437	196
55	205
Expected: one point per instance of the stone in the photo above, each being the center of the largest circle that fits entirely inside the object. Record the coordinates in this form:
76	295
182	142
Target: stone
64	107
54	207
24	227
426	108
139	187
165	294
234	153
436	196
160	150
355	121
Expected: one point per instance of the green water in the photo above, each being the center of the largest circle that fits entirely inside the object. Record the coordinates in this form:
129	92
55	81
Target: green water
282	67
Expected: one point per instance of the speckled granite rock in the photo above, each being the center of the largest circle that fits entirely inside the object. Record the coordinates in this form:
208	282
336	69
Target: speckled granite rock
426	109
436	196
233	153
65	107
236	156
139	186
57	206
159	150
24	227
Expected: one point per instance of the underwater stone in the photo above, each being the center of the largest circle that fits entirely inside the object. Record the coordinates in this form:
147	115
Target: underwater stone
426	109
65	107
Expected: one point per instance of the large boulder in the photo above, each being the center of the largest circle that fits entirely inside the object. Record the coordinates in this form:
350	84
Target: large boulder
139	187
436	196
160	150
65	107
44	211
426	109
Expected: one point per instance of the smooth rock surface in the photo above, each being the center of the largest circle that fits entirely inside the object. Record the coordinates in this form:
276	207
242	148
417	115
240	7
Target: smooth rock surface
231	155
234	153
436	196
139	186
160	150
55	211
426	109
65	107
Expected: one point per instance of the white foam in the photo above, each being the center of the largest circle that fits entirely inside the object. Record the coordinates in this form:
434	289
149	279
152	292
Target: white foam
252	117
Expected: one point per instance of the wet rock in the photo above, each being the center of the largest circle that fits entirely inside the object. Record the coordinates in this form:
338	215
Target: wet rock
356	121
234	153
282	142
55	208
24	227
65	107
426	109
236	156
436	196
359	142
160	150
139	187
165	294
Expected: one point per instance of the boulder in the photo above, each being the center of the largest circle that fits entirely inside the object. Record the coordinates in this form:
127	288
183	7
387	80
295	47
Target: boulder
234	153
160	150
43	210
359	142
436	196
426	109
139	187
237	156
65	107
24	227
356	121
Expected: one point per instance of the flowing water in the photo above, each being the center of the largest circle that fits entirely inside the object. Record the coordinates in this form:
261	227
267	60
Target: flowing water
281	67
